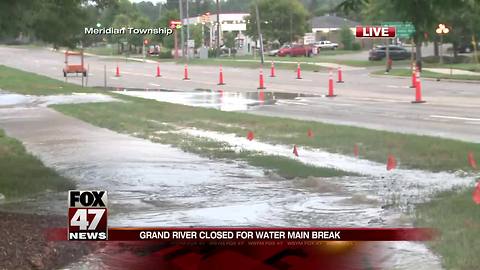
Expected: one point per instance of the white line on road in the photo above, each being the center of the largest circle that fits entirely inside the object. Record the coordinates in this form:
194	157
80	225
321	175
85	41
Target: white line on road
398	86
455	117
154	84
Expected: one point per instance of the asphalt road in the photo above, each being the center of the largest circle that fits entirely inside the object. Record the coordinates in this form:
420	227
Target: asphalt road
452	109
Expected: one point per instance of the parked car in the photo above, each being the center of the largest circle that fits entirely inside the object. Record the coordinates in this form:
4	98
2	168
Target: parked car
296	50
326	45
275	52
467	47
396	53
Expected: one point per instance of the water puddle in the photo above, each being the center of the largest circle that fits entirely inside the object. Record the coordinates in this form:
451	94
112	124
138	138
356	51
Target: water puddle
220	100
11	100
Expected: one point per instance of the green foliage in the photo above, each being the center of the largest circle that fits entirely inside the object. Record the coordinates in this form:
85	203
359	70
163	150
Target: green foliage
229	39
356	46
196	34
282	20
164	21
346	37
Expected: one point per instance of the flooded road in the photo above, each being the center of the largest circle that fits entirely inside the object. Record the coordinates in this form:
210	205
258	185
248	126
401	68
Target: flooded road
219	99
150	184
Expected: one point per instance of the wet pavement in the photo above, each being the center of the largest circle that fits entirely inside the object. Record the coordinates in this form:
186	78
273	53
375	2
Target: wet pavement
150	184
219	99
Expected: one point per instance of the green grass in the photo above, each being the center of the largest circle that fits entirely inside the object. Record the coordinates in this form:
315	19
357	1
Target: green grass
27	83
427	74
457	218
102	50
22	174
463	66
413	151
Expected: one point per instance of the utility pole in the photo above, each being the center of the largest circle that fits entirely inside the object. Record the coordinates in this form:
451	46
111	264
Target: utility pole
218	29
188	32
259	32
182	38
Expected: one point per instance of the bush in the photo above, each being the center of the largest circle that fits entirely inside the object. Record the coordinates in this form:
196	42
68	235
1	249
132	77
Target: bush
166	54
212	52
356	46
346	37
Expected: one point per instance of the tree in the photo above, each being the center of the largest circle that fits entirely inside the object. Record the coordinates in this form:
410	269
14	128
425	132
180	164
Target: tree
169	15
421	13
229	39
282	20
346	37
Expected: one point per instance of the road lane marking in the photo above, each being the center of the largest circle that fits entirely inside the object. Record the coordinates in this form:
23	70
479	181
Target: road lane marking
154	84
398	86
455	117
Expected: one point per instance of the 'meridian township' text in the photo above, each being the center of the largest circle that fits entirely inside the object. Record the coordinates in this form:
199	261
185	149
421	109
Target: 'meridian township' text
128	30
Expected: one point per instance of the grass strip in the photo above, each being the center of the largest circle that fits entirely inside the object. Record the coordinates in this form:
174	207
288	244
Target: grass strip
22	174
28	83
458	219
427	74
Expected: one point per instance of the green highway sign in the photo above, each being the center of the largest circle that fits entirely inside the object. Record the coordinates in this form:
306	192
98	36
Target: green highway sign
404	29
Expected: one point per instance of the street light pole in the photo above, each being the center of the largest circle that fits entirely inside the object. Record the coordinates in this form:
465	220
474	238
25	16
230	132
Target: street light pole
441	30
260	38
188	32
182	38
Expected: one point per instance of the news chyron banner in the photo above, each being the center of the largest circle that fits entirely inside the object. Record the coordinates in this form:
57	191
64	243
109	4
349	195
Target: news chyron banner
87	215
87	220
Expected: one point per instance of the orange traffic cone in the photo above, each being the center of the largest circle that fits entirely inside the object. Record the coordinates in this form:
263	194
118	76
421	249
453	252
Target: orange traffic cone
476	193
117	72
185	73
414	76
299	72
295	151
339	72
310	133
418	89
391	162
472	161
261	83
355	150
158	71
250	135
272	70
330	85
220	77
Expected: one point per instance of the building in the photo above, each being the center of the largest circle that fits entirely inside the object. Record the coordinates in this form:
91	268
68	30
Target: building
229	22
328	27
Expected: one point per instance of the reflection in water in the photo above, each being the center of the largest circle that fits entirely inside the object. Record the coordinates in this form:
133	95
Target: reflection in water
220	100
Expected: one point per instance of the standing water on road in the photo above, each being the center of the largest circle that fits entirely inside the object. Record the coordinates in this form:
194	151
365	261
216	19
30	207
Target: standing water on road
150	184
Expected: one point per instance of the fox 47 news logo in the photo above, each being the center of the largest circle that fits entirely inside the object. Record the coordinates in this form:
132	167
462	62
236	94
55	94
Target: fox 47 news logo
87	215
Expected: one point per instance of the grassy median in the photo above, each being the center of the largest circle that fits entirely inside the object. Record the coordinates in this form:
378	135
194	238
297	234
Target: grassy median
427	74
22	174
28	83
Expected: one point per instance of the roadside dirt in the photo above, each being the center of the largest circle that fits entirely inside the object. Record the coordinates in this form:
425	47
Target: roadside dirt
23	244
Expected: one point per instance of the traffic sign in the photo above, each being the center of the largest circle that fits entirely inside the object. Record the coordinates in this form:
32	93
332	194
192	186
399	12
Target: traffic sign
404	29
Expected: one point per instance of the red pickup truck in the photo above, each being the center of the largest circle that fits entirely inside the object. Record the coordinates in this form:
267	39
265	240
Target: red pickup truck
296	50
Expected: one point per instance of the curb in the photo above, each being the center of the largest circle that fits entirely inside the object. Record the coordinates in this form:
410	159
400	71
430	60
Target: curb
424	78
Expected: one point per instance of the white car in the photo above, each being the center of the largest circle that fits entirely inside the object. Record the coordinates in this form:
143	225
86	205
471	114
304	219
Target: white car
326	45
